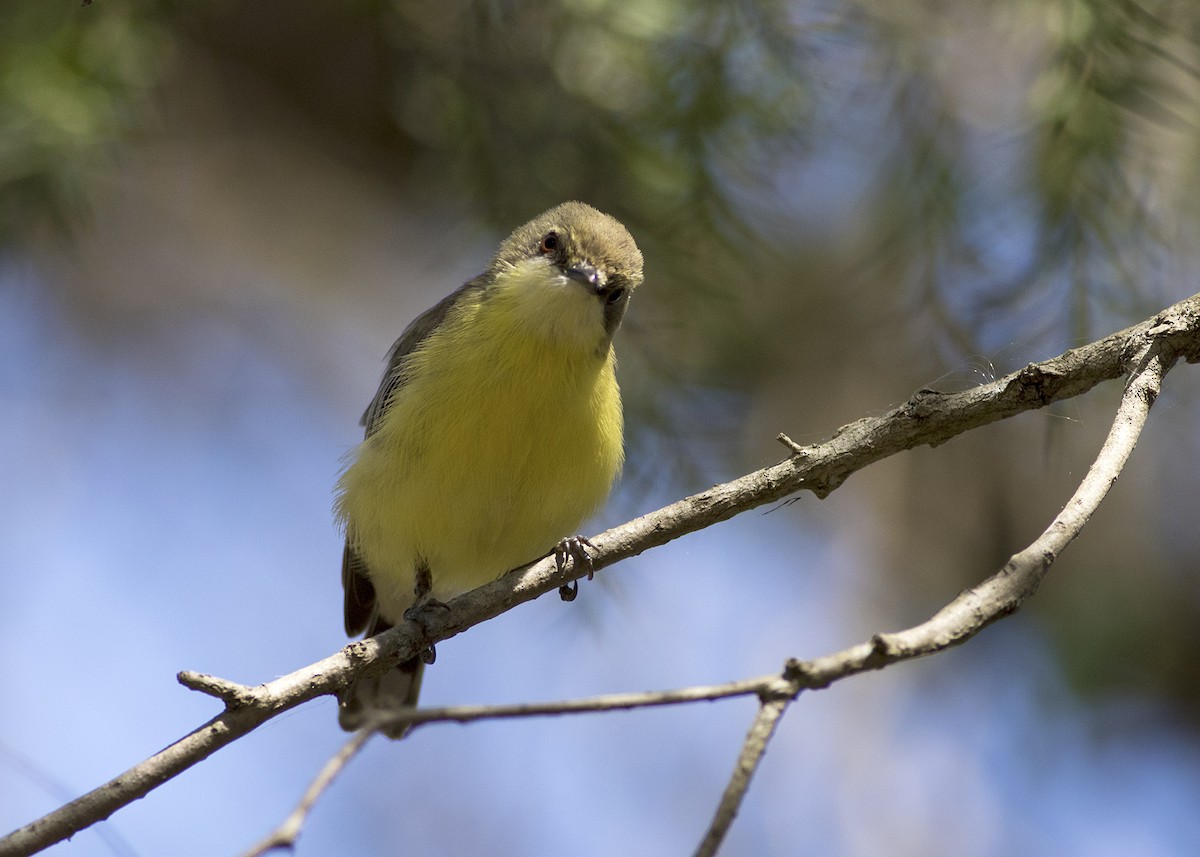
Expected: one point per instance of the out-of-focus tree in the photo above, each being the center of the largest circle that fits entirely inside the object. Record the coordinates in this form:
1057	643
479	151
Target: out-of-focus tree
72	86
838	201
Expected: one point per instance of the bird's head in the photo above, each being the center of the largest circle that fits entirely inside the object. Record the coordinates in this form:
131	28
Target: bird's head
571	270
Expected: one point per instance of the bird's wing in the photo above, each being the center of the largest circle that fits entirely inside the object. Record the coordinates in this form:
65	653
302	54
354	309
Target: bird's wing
410	339
359	594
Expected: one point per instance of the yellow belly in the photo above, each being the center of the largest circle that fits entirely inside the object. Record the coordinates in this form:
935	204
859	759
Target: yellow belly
498	445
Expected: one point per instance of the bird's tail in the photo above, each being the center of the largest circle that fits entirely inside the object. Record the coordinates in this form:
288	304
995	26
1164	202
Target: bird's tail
369	701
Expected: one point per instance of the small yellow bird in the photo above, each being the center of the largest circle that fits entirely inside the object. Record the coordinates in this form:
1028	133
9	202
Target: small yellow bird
496	431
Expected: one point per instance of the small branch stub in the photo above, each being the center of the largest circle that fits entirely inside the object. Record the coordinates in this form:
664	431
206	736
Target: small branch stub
234	695
793	447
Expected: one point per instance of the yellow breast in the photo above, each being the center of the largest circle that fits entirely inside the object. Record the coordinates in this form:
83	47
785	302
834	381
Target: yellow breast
501	442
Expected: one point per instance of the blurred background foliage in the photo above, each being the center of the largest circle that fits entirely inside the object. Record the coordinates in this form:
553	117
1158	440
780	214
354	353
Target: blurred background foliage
839	202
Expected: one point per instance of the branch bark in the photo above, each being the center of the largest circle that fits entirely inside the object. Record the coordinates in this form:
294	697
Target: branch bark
770	712
928	418
284	836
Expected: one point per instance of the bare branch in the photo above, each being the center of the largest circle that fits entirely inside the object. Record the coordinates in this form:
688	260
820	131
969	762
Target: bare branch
795	448
1003	593
753	748
231	693
928	418
607	702
284	836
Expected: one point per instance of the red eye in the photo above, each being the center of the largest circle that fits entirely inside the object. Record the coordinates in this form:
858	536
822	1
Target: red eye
549	244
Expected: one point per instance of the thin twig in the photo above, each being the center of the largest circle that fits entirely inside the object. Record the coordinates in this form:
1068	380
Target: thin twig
229	692
795	448
753	748
928	418
284	836
1003	593
999	596
606	702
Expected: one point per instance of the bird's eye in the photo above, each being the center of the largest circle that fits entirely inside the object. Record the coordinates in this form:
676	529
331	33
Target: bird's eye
615	295
549	244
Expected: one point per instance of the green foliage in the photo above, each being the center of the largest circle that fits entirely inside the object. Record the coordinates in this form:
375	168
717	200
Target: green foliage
72	85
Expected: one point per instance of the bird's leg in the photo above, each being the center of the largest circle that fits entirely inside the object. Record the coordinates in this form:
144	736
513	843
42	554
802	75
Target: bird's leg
574	547
422	607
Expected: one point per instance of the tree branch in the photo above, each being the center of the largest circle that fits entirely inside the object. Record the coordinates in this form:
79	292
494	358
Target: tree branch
753	748
928	418
284	836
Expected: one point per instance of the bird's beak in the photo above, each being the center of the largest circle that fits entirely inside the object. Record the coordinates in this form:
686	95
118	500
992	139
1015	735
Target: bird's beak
588	276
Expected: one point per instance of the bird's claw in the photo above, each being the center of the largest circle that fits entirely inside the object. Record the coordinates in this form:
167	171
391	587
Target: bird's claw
422	610
420	613
574	548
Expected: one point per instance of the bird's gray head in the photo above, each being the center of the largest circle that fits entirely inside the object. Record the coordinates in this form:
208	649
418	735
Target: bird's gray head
583	245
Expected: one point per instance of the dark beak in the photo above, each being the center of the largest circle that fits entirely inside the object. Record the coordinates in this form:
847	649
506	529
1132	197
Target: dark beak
588	276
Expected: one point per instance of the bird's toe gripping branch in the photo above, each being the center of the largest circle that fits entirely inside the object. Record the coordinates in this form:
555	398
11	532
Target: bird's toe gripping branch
420	613
575	548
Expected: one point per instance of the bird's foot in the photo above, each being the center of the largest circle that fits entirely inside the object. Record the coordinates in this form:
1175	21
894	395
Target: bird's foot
421	613
574	547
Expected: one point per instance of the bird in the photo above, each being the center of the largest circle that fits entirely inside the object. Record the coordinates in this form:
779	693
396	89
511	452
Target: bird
497	429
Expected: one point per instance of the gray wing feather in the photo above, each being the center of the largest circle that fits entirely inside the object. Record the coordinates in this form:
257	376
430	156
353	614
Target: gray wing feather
359	608
410	339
